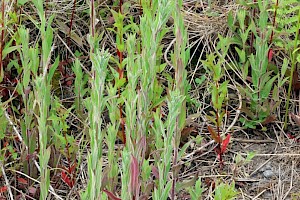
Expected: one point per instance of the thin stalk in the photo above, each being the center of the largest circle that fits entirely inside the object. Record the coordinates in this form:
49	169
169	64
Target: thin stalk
92	23
2	40
70	28
292	72
252	34
274	21
121	74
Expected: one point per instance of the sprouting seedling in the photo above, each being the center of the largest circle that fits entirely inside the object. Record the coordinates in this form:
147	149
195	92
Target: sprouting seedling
218	95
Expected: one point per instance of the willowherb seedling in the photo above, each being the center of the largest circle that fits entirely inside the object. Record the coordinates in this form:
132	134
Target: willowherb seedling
218	98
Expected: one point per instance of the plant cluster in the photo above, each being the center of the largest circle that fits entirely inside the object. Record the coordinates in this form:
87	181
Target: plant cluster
127	113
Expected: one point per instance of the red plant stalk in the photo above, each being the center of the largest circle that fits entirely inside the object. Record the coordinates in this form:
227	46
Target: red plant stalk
218	131
70	168
121	74
120	6
270	52
219	144
70	29
274	21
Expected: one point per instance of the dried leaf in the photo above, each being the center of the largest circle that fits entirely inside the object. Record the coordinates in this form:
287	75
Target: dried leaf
191	118
295	83
296	118
213	134
186	132
65	29
269	119
225	143
111	195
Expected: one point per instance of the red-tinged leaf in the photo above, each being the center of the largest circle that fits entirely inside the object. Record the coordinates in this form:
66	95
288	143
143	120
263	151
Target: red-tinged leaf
111	195
65	178
213	134
72	168
134	175
3	189
290	136
270	55
225	143
22	180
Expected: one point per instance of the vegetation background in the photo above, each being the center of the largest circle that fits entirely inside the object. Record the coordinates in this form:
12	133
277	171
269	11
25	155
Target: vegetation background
149	99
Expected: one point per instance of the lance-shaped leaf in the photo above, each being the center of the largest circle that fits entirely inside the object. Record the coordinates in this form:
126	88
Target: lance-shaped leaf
225	143
213	134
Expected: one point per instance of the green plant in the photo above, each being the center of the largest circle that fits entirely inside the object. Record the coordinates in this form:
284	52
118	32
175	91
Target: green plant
42	94
80	90
29	58
218	96
225	191
292	50
95	105
196	191
256	70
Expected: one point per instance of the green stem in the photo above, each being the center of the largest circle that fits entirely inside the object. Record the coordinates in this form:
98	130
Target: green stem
292	71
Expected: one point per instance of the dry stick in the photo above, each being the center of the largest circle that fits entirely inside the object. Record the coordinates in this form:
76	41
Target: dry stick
166	53
261	166
238	111
291	182
6	181
252	141
51	190
22	193
260	194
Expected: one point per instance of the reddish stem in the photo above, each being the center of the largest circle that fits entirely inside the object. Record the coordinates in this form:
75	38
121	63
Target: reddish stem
141	9
274	21
70	170
70	28
121	72
120	6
